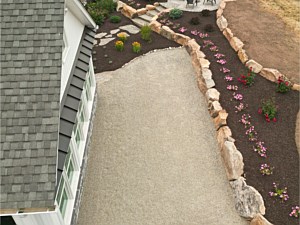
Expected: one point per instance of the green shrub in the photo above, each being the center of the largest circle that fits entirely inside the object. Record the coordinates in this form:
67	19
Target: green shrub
209	28
115	19
205	12
175	13
195	21
146	33
97	16
100	9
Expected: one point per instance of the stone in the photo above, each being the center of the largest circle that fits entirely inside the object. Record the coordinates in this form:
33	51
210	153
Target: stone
233	161
141	11
260	220
248	201
120	5
214	108
155	26
223	134
270	74
114	31
108	36
296	87
156	4
192	46
228	34
256	67
100	35
243	56
206	73
201	85
219	13
167	32
236	43
212	94
150	7
204	63
130	29
210	83
128	11
95	42
181	39
221	119
154	18
222	23
222	5
104	41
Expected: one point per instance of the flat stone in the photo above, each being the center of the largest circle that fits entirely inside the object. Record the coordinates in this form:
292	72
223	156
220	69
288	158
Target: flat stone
270	74
221	119
206	73
248	201
204	63
236	43
243	56
95	42
214	108
100	35
256	67
260	220
181	39
228	34
210	83
222	23
105	41
130	28
114	31
150	7
212	94
233	160
141	11
108	36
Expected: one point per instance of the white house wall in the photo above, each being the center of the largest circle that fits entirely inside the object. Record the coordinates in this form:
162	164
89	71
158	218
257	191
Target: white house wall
46	218
73	30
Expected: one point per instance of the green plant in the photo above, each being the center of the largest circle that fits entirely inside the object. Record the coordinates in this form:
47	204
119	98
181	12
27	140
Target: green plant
205	13
97	16
136	47
209	28
247	80
195	21
100	9
146	33
119	45
283	85
175	13
268	109
122	36
281	193
115	19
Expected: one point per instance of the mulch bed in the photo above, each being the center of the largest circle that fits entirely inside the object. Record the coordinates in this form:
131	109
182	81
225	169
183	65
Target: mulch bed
279	137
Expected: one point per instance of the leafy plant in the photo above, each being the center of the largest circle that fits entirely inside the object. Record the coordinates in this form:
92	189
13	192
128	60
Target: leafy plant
136	47
100	9
115	19
97	16
119	45
205	13
247	80
175	13
195	21
266	169
283	85
279	192
209	28
146	33
260	149
122	36
268	109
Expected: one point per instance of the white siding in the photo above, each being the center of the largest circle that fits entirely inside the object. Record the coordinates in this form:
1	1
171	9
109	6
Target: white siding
73	30
45	218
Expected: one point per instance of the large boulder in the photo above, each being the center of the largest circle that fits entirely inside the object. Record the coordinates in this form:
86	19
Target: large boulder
256	67
270	74
233	160
128	11
181	39
248	201
260	220
155	26
192	46
167	32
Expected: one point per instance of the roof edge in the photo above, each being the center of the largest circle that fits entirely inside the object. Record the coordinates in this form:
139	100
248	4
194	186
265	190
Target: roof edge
6	212
79	10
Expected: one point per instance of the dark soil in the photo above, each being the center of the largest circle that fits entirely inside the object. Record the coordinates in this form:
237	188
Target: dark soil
279	137
120	58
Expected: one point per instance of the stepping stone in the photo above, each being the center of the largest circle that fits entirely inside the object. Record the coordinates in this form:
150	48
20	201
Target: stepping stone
140	22
108	36
146	17
100	35
130	28
104	41
114	31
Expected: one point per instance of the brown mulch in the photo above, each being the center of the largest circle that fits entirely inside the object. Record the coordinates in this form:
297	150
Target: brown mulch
278	137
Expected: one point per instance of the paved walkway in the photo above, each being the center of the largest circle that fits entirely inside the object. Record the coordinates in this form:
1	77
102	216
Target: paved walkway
181	4
154	158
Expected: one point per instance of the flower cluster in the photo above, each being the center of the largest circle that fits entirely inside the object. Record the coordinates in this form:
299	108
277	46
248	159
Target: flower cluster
208	43
260	149
214	48
245	120
266	169
122	36
247	80
225	70
240	107
283	85
238	97
251	133
268	109
228	78
136	47
295	212
222	61
232	87
280	193
203	35
119	45
219	55
194	32
182	29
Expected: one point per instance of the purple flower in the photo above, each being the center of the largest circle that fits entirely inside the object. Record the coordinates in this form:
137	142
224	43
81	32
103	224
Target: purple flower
194	32
182	29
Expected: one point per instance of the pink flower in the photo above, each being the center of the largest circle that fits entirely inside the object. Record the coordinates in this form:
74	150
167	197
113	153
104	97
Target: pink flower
259	111
194	32
182	29
274	119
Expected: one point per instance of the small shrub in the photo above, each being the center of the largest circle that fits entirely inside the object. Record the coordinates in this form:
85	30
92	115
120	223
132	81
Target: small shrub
115	19
209	28
100	9
248	79
283	85
122	36
175	13
97	16
119	45
195	21
146	33
268	109
136	47
205	13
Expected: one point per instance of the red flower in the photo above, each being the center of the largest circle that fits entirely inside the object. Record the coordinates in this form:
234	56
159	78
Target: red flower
268	119
259	111
287	83
274	119
266	115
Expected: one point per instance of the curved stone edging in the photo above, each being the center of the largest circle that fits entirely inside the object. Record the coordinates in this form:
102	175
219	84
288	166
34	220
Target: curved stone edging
248	201
268	73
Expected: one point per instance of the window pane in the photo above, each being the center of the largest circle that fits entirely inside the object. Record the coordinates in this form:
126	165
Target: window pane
70	171
61	185
63	203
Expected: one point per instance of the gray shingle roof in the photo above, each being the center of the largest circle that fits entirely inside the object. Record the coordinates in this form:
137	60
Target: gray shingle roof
31	51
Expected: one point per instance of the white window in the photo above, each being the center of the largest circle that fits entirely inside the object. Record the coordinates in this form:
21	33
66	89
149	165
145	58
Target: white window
65	47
